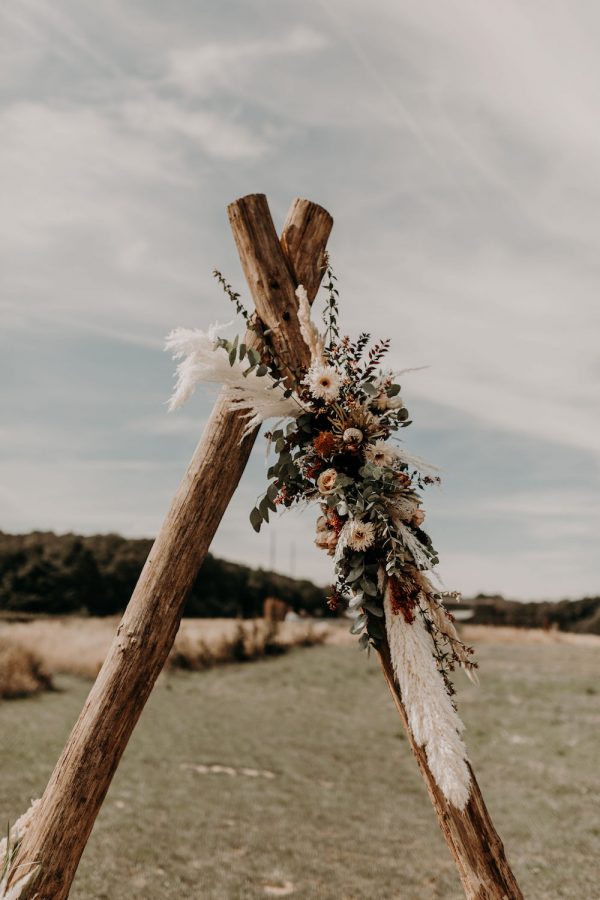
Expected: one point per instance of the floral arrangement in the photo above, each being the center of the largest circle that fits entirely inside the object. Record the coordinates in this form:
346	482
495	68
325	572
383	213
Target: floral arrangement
333	446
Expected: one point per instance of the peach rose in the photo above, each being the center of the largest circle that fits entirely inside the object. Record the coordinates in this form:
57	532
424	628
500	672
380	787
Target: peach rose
326	481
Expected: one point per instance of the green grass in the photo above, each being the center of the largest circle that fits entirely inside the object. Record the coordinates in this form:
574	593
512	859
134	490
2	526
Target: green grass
346	815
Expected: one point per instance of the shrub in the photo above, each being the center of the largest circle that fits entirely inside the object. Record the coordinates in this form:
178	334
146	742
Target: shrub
21	671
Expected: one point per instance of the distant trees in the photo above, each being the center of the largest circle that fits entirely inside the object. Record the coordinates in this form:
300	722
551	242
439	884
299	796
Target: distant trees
42	572
567	615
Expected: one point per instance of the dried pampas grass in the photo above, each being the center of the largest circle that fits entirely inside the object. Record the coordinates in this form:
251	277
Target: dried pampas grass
258	397
434	722
8	847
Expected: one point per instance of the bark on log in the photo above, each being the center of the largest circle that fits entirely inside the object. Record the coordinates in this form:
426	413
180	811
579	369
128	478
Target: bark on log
57	837
473	841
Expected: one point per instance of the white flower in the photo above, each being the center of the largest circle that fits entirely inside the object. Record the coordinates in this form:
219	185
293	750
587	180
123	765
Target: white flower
380	453
326	481
361	535
352	436
324	382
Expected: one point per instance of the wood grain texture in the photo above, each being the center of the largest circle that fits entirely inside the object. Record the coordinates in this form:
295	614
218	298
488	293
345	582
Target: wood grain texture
307	225
83	774
269	272
473	841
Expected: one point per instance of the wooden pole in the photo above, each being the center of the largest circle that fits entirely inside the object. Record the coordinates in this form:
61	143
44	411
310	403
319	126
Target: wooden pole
54	842
473	841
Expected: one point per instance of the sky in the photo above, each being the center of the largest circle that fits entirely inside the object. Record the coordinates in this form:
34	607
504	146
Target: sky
457	147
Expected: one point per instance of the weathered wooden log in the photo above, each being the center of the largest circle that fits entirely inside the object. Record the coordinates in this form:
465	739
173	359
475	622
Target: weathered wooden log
56	838
473	841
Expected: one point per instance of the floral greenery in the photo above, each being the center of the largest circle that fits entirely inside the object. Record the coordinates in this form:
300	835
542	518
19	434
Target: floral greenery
336	452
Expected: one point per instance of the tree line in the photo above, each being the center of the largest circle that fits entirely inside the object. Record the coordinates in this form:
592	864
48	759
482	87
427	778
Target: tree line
582	616
42	572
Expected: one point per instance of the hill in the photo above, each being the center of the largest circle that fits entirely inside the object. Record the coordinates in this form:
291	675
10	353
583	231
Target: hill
582	616
45	573
42	572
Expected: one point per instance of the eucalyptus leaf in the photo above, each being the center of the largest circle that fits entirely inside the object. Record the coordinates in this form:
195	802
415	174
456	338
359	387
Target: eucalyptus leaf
373	609
363	641
369	587
358	624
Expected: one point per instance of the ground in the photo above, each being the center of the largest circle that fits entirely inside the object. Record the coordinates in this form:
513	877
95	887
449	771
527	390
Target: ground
292	777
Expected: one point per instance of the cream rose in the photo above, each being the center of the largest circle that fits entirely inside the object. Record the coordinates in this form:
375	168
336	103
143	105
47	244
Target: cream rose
326	481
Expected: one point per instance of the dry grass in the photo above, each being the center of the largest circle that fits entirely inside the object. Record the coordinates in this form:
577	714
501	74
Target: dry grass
485	634
294	773
504	634
31	652
22	670
77	646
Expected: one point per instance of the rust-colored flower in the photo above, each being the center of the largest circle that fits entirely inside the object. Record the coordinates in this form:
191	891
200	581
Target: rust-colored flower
334	520
403	593
334	600
325	444
313	468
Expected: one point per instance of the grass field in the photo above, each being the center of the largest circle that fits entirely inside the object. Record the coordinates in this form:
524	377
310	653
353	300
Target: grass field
291	777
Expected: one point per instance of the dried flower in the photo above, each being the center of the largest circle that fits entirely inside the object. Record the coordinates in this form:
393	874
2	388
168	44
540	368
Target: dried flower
383	402
312	469
406	508
403	594
334	600
418	517
326	540
325	444
380	453
352	436
403	479
334	520
361	535
324	382
355	415
326	481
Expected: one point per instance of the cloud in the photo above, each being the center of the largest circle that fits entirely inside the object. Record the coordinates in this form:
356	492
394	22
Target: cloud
204	68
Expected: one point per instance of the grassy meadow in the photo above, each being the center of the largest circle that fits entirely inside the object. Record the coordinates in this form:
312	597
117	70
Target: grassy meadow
292	777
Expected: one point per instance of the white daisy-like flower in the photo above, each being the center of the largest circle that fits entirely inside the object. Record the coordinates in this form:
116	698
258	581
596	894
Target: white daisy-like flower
361	535
380	453
324	382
